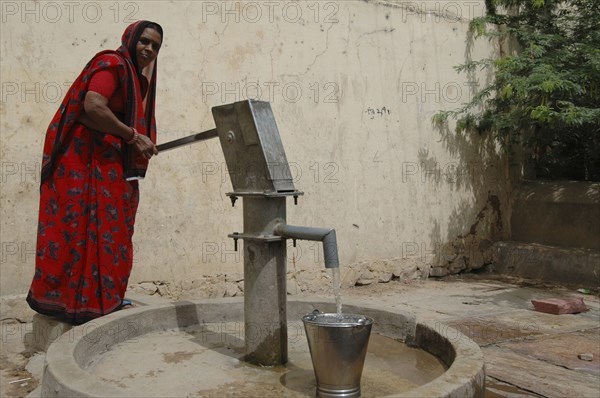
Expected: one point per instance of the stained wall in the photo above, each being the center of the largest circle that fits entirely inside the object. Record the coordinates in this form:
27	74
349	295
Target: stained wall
353	85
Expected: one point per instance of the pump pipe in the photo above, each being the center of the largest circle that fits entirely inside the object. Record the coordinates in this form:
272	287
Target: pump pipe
325	235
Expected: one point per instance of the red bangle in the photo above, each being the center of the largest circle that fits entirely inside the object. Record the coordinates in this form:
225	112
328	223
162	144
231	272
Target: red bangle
134	138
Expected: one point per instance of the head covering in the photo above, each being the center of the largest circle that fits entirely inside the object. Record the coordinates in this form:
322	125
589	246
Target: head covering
124	61
134	164
131	36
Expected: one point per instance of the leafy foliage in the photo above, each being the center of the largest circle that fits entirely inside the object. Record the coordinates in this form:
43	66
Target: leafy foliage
545	95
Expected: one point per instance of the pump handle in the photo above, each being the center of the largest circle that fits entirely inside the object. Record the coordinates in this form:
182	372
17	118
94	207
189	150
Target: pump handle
187	140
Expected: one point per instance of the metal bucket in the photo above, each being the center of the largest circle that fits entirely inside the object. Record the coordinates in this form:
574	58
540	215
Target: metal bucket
338	347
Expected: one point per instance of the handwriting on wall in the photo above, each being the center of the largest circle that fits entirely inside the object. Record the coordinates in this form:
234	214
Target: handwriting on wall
372	113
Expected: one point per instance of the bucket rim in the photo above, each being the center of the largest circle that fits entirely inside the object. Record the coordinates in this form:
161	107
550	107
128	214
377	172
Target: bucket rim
311	319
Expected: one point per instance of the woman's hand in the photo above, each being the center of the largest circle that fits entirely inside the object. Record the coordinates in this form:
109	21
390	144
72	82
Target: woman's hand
99	117
145	146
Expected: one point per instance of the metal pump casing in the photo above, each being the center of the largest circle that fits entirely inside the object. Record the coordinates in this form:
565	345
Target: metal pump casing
252	147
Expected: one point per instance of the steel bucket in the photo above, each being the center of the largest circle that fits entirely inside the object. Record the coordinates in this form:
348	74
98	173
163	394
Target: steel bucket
338	347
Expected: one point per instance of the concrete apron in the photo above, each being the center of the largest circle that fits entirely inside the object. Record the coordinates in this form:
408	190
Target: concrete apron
65	373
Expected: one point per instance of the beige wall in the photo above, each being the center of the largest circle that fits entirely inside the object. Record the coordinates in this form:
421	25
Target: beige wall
353	86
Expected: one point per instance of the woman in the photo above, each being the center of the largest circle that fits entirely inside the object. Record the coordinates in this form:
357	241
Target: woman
96	148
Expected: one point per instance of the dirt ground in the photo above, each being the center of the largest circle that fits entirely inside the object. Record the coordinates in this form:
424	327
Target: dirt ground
15	379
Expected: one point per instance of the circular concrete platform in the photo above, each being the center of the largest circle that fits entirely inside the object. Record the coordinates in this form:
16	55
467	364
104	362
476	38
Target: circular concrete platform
194	349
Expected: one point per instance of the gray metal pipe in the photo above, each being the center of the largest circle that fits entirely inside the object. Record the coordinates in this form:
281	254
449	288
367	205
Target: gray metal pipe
325	235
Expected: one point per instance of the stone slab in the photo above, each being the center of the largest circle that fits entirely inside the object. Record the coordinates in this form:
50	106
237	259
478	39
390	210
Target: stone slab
461	300
540	322
497	389
46	330
537	376
486	331
558	306
563	349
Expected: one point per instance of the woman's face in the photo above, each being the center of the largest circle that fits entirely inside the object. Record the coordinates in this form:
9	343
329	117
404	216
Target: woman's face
147	47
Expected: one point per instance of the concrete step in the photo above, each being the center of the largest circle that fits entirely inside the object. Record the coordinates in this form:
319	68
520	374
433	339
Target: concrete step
45	330
566	266
557	213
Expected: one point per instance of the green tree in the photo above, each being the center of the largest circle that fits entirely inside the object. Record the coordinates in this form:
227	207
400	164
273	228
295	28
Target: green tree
545	94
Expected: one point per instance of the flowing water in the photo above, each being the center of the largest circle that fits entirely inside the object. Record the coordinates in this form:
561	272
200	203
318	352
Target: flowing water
337	285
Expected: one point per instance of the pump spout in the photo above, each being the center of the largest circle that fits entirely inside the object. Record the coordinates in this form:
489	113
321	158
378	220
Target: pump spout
325	235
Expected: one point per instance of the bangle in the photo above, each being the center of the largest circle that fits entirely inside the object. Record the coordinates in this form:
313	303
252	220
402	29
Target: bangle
134	138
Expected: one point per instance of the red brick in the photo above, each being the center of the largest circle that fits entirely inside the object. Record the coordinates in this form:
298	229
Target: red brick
558	306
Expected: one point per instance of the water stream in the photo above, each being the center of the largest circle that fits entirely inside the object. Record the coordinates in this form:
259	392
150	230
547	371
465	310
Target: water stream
336	285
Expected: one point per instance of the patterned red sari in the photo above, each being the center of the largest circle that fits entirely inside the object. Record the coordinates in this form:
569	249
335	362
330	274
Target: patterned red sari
89	197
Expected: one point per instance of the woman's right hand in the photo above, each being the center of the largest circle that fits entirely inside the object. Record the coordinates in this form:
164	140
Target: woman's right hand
145	146
98	116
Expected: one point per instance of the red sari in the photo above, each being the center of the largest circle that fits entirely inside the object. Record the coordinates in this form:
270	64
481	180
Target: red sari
89	196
